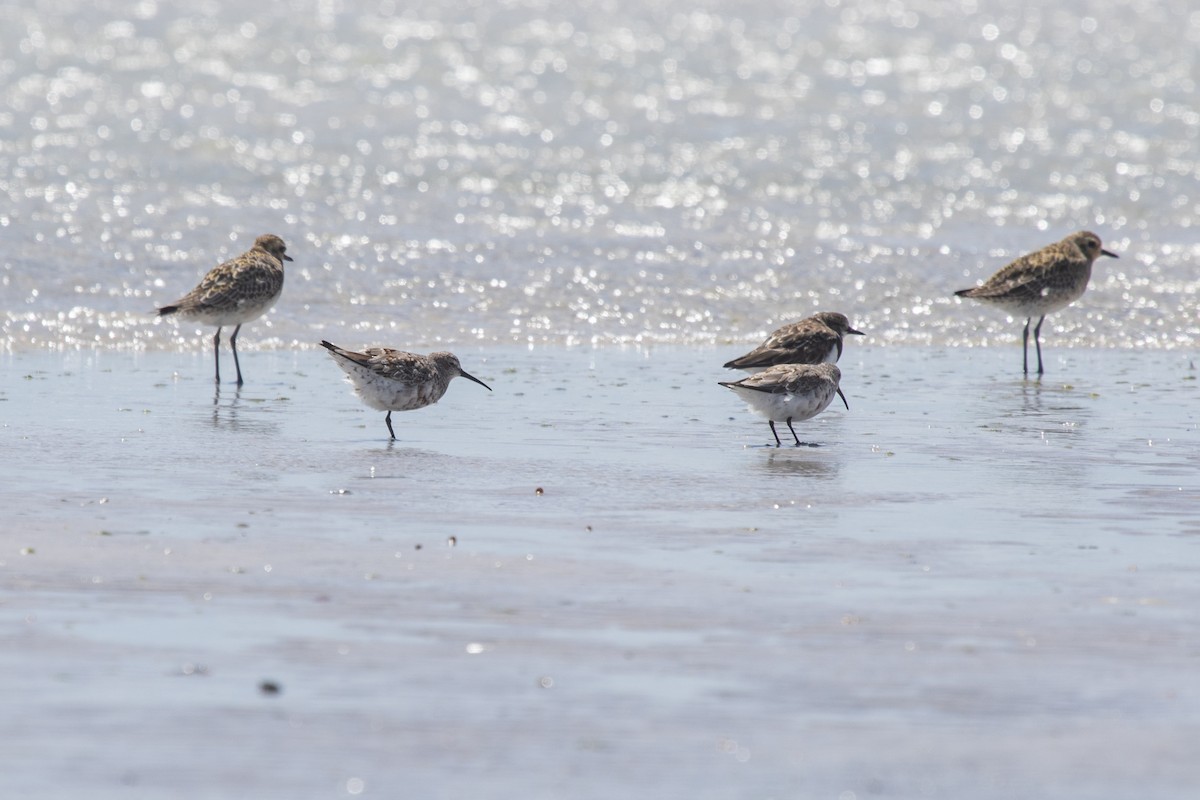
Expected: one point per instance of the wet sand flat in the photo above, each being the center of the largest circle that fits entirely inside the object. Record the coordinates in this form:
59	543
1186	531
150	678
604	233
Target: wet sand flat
977	586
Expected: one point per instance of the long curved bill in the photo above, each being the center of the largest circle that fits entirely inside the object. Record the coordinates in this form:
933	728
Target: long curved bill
473	378
843	398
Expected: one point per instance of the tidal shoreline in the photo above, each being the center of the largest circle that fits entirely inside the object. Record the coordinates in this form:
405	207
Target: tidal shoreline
976	586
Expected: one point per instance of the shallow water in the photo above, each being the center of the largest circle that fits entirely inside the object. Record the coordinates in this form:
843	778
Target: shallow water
596	172
975	586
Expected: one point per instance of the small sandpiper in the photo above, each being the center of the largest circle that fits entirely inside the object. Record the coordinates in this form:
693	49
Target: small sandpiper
790	393
1041	283
393	380
239	291
812	340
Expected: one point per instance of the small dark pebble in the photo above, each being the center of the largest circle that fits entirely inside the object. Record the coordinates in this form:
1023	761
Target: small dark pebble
269	687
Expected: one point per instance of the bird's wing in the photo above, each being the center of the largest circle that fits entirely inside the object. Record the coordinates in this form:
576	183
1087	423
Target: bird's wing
401	366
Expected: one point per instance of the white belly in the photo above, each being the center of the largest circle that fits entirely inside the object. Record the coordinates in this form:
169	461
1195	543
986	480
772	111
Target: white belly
385	394
783	406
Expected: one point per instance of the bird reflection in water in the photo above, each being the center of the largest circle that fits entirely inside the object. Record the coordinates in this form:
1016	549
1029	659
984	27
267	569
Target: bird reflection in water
252	414
798	462
227	415
1039	400
1031	396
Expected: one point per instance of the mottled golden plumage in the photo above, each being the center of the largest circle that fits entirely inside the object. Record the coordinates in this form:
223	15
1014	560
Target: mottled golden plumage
1041	283
236	292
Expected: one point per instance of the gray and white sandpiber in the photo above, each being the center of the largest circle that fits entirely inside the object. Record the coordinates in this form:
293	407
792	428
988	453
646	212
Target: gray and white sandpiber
393	380
790	393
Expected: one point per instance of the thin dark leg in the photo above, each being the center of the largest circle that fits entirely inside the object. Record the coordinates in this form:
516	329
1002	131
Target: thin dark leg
388	420
771	422
217	353
1025	346
233	346
793	430
1037	340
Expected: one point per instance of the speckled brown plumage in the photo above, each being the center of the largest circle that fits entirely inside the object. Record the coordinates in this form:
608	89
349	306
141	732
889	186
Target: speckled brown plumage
812	340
